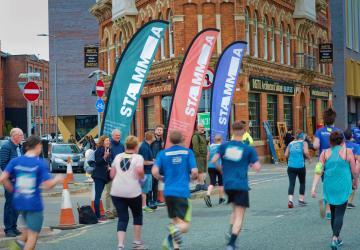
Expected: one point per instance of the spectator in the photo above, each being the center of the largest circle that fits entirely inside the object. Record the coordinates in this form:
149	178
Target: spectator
199	146
72	139
92	142
9	151
146	153
288	137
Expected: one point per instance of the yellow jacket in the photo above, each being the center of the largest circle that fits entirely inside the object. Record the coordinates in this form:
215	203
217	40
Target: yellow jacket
247	138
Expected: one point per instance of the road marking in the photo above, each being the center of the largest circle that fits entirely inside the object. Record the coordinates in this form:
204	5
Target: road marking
280	215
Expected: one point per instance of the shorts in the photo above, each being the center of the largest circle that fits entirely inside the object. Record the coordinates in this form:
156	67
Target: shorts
201	163
238	197
215	174
33	220
147	185
178	208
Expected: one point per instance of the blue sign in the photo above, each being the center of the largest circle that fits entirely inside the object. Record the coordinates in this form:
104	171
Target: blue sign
100	106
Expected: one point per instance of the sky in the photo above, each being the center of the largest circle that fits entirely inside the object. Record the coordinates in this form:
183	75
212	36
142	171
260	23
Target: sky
20	22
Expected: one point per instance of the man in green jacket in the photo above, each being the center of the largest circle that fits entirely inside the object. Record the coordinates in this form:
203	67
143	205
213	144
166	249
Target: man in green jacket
199	146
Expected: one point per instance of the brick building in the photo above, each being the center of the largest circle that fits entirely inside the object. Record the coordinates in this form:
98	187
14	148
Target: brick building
2	97
281	79
14	102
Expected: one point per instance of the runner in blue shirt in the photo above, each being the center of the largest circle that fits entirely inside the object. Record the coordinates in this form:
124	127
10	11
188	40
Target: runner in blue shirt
29	172
356	133
236	157
322	142
356	151
174	166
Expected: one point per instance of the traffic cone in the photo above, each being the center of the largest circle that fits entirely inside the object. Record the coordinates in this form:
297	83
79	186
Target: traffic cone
102	211
160	194
67	218
69	171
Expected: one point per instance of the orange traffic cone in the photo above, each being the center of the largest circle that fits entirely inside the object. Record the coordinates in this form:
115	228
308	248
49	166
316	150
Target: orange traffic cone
160	194
69	171
67	218
102	211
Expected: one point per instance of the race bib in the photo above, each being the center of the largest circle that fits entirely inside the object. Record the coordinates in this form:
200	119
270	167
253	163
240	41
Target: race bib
233	154
26	183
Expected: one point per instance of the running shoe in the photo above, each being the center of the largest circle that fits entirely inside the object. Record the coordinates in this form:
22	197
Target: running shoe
121	248
160	204
340	242
221	201
228	247
139	246
334	245
14	245
328	216
102	219
290	204
148	209
207	200
322	208
175	234
167	243
350	206
302	203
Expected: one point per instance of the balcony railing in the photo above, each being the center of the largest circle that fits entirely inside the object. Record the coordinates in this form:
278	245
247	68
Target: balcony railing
305	61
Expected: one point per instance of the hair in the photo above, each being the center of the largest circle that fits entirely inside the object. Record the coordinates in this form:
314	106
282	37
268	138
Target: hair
15	131
336	138
218	138
299	134
329	116
131	142
176	137
348	134
159	126
116	131
238	125
31	142
149	135
101	141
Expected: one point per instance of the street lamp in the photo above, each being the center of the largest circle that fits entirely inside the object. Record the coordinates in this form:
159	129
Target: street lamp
55	87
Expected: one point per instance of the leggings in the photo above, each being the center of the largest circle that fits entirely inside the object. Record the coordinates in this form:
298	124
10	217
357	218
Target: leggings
122	206
293	173
99	188
337	218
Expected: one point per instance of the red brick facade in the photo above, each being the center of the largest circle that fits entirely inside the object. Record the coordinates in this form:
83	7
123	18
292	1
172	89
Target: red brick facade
280	49
2	96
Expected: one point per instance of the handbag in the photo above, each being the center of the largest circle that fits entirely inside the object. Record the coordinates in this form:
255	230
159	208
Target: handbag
86	215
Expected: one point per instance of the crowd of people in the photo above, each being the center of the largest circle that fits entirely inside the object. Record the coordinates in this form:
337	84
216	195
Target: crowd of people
130	175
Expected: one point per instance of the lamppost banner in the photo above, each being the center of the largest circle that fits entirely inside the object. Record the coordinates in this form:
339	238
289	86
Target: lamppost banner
226	75
189	84
129	77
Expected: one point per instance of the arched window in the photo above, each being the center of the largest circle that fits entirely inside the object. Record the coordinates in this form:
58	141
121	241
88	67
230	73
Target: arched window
108	55
171	34
288	46
116	49
162	45
121	42
265	38
247	30
272	40
281	44
256	47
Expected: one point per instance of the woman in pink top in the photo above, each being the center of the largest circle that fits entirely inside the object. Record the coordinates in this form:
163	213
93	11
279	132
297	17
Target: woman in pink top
127	170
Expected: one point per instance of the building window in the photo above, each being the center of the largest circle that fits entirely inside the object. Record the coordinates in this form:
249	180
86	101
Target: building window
149	113
162	45
121	42
171	34
313	114
30	69
247	30
272	113
324	105
265	38
272	40
254	115
288	112
282	44
256	47
134	125
288	47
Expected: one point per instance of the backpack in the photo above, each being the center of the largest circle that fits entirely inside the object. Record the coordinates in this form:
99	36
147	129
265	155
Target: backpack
86	215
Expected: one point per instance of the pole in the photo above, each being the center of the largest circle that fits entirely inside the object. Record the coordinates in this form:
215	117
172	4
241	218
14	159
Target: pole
206	108
56	104
99	117
28	119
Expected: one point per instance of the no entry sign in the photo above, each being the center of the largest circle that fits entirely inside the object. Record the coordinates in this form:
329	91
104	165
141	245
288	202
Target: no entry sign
100	88
31	91
209	78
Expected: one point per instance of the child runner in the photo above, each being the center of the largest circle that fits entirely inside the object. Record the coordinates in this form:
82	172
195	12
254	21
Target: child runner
29	172
173	165
296	166
214	170
338	167
236	157
321	142
356	151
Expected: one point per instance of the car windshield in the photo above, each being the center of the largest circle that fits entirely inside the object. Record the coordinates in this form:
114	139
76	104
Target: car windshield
65	149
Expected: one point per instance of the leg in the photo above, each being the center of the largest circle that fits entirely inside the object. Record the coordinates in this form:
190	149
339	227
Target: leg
10	214
31	240
108	198
332	209
143	195
338	219
302	179
123	218
238	218
136	210
99	188
292	180
155	189
220	183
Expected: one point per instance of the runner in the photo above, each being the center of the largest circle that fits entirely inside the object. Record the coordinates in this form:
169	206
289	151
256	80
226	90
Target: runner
29	172
338	164
199	146
173	165
356	133
296	167
214	171
127	170
356	151
236	157
321	142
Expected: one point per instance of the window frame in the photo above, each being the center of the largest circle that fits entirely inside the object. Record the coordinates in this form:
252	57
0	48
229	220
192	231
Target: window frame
273	122
254	129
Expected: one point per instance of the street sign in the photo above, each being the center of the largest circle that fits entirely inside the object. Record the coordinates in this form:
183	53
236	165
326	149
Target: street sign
326	53
209	78
166	103
100	106
21	86
91	57
204	118
100	88
31	91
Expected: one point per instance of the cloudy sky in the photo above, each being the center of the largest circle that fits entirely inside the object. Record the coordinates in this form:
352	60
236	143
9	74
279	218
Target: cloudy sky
20	22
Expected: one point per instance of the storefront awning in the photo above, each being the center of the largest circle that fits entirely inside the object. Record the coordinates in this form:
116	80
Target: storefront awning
352	78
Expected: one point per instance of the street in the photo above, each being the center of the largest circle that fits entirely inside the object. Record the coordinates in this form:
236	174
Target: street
269	224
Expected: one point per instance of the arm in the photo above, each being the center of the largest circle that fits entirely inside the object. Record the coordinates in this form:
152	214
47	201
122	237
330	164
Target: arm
148	162
4	156
4	179
354	169
194	173
316	143
215	161
195	144
156	173
256	166
287	152
306	151
112	172
49	184
317	177
99	157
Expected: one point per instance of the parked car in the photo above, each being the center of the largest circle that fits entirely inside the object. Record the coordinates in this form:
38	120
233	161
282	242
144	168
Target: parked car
59	153
2	142
46	137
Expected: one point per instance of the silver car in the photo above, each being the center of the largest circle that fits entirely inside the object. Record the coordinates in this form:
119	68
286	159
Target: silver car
59	153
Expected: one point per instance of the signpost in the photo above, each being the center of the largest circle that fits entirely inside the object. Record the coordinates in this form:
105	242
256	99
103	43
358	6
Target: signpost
31	91
100	88
91	57
100	107
204	118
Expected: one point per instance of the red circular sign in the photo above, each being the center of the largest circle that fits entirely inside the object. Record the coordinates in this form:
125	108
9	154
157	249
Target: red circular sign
100	88
31	91
209	78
